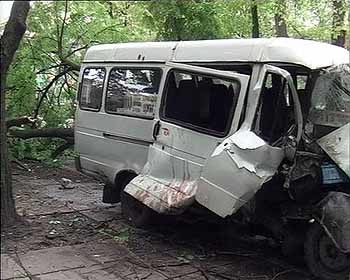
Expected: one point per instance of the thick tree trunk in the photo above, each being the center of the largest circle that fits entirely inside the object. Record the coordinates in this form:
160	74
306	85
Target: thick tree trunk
13	33
280	21
255	20
19	121
338	30
63	133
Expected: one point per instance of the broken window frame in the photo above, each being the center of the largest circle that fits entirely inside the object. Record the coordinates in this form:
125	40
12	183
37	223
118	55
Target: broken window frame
293	95
282	98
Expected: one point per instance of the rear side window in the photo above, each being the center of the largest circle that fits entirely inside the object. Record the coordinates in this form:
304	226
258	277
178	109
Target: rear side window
200	102
133	92
91	89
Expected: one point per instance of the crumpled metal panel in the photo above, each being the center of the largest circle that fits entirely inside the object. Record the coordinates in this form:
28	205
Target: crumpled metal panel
235	172
336	145
167	183
333	213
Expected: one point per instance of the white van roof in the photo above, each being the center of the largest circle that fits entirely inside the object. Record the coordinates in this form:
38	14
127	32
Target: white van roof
308	53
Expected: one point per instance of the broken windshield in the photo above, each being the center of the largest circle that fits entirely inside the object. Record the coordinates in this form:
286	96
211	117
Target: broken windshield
330	102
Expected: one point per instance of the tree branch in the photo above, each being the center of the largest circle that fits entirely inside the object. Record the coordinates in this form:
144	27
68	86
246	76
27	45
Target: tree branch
46	90
19	121
64	59
63	133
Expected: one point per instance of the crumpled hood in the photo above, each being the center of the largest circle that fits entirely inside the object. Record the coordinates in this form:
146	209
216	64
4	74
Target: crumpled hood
337	146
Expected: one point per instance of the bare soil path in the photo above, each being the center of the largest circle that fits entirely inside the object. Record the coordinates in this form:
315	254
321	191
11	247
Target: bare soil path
70	234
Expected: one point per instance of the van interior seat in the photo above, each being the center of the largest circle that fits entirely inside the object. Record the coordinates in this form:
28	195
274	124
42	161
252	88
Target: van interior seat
186	98
203	114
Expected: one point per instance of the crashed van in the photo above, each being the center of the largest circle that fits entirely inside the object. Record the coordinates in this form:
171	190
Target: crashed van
255	130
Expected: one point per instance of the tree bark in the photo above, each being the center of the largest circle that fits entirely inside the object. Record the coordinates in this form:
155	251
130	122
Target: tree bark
280	21
13	33
19	121
63	133
338	30
255	19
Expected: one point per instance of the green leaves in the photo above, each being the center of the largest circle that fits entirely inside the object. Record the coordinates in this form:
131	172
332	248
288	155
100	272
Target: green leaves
59	32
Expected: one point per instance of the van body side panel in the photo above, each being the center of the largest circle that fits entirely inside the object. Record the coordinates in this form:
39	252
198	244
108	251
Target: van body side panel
108	143
169	181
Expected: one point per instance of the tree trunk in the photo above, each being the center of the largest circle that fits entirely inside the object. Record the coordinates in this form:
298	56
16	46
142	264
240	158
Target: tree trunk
338	30
255	20
63	133
19	121
13	33
280	21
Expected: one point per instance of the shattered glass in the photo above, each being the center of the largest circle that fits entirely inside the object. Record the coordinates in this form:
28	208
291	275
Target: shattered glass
330	103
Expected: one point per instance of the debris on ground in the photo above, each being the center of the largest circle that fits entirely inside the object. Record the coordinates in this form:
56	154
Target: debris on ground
73	235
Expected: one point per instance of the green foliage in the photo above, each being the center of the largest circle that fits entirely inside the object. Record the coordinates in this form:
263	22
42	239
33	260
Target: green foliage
184	20
55	34
38	149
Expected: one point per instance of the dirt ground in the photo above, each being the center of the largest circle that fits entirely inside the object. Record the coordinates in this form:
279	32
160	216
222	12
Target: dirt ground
59	216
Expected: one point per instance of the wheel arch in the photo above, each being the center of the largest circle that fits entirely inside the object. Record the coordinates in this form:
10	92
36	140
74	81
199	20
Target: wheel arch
112	190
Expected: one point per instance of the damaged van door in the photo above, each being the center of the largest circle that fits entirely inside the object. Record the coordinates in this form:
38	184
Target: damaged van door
242	163
199	108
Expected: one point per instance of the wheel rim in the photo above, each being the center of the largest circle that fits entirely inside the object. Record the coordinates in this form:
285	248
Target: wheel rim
330	256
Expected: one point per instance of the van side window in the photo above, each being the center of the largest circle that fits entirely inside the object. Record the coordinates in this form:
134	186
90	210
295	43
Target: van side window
90	96
132	92
202	102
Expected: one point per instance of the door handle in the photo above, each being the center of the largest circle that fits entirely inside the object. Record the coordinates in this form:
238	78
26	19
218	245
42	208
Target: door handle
156	129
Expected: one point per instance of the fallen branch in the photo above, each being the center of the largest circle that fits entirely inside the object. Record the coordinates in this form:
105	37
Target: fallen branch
20	164
19	121
63	133
45	90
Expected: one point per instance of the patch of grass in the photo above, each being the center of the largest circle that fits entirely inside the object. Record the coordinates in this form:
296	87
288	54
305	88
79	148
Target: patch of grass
121	236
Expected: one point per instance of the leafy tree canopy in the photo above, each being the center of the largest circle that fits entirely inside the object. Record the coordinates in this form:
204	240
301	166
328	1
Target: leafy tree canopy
43	79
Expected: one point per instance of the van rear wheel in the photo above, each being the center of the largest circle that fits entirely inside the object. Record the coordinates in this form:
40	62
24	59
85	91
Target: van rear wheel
135	212
323	258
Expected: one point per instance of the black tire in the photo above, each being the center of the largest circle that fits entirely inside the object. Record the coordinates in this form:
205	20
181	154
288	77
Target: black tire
293	242
324	260
135	212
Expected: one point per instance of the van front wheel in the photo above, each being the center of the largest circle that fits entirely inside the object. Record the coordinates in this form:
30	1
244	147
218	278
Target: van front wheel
135	212
323	258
